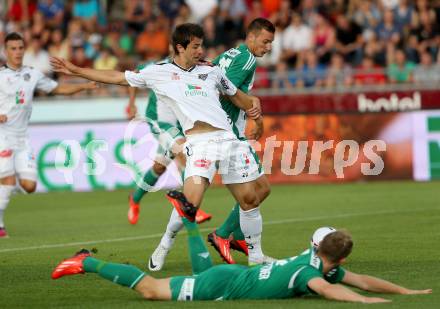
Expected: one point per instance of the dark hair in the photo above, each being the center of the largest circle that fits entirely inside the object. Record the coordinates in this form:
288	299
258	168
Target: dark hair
13	36
184	33
336	246
259	24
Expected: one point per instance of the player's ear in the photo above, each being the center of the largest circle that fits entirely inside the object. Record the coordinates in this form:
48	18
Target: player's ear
342	261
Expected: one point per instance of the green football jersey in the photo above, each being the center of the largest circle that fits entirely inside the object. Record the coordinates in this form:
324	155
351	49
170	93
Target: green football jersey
281	279
239	66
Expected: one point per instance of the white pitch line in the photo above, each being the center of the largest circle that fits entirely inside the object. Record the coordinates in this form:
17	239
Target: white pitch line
274	222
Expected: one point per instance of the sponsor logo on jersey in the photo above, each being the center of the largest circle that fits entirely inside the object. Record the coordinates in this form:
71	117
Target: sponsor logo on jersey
175	76
233	52
224	84
6	153
27	77
202	163
194	90
19	97
203	76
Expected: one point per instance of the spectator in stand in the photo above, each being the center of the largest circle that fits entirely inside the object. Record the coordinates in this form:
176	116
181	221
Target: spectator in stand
399	69
296	39
59	47
211	39
324	38
255	10
282	17
308	11
183	16
426	72
365	14
105	60
21	11
349	39
311	72
137	13
79	58
35	56
75	33
87	11
338	73
404	15
282	78
39	28
152	44
368	73
428	32
170	8
388	31
53	12
374	49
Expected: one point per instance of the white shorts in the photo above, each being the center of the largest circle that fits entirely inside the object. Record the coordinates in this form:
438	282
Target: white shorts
17	158
220	150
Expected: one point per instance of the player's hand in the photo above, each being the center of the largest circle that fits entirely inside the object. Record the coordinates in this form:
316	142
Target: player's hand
3	118
255	111
61	65
258	130
375	300
91	86
415	292
131	111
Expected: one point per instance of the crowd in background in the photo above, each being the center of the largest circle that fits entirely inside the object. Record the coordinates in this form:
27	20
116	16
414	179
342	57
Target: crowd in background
318	43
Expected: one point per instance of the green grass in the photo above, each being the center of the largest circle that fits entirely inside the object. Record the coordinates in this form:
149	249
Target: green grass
395	226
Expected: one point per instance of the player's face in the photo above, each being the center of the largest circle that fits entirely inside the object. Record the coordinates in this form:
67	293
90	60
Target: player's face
262	43
14	52
194	51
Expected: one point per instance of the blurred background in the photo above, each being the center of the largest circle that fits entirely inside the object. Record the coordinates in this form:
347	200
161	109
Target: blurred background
338	70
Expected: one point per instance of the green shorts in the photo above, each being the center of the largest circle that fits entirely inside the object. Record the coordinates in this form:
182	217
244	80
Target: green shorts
208	285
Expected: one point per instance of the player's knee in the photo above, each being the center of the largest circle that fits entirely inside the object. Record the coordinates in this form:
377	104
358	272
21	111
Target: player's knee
249	201
159	169
28	186
8	181
263	192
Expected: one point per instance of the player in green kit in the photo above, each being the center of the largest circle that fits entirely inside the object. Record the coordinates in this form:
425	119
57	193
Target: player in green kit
166	129
239	65
315	271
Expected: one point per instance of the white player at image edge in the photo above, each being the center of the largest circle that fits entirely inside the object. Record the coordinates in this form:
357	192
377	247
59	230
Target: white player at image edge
18	83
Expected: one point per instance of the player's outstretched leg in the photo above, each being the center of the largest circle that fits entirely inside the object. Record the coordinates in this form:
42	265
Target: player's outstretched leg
82	262
5	195
150	179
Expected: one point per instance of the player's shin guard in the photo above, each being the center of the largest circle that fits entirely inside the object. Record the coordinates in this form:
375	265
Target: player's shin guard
231	223
122	274
5	195
174	226
149	180
251	225
199	254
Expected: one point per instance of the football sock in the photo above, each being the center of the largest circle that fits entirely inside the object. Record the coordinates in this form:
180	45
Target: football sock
174	226
122	274
231	223
149	180
238	234
5	195
251	224
198	252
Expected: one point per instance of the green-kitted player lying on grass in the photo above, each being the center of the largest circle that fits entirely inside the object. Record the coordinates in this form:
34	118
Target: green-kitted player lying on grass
316	270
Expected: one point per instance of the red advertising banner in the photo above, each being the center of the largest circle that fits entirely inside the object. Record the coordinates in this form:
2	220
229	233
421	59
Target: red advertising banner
333	147
349	102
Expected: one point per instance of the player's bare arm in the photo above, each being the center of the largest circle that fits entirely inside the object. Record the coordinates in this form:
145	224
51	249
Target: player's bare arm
103	76
246	102
68	89
3	118
258	130
377	285
340	293
131	107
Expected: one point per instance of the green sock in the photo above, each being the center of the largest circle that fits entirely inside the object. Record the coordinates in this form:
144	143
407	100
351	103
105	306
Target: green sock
238	234
150	179
122	274
231	223
198	253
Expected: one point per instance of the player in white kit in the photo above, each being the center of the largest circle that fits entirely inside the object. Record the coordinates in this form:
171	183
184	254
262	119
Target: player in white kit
17	87
192	92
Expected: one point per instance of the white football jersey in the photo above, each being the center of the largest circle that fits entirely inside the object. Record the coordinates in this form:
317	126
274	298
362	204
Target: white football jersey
192	94
16	93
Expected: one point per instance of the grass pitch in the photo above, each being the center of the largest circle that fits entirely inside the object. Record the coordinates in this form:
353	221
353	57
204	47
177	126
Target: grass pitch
395	226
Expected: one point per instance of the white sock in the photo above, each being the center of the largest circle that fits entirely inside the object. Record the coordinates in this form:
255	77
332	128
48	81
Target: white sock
251	225
5	195
174	226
